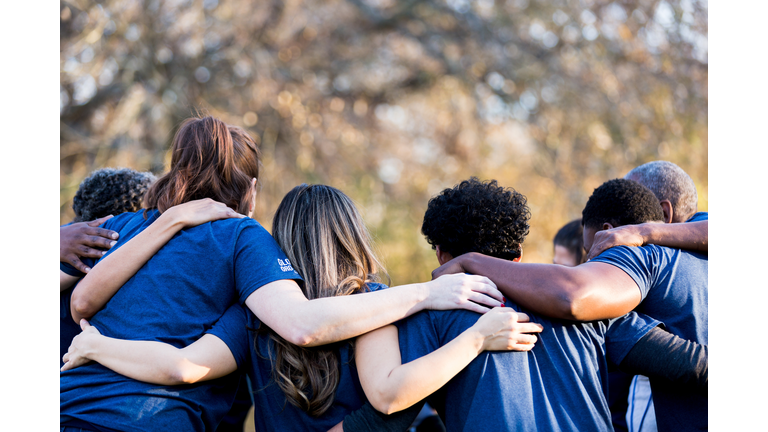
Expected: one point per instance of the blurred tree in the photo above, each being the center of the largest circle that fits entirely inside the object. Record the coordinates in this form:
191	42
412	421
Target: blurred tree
391	101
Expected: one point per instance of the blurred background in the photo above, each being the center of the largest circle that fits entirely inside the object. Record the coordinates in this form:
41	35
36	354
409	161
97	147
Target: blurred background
392	101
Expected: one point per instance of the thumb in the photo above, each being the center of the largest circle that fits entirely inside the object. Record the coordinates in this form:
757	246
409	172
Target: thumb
84	324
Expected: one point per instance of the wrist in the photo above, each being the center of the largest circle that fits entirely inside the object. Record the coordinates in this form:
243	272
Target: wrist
423	295
477	338
172	219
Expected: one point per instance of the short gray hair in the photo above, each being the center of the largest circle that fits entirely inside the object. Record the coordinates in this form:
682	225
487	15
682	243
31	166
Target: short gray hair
668	182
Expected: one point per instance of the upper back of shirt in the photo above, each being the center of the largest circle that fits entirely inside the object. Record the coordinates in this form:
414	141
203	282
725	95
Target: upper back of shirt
176	297
558	385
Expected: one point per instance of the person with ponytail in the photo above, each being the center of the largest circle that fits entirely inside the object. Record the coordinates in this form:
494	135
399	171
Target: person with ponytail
303	388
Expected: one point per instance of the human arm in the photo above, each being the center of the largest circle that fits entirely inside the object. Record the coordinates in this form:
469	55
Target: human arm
84	240
391	386
153	362
690	235
588	292
104	279
661	354
285	309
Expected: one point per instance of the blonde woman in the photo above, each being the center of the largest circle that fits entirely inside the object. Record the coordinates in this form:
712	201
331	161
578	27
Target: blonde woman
313	388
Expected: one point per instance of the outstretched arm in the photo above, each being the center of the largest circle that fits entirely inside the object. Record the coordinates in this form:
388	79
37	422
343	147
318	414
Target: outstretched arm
587	292
153	362
285	309
391	386
689	235
111	272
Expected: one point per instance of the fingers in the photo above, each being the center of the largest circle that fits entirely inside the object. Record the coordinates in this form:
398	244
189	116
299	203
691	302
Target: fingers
100	234
529	328
86	252
84	324
75	262
484	299
521	347
525	339
474	307
99	221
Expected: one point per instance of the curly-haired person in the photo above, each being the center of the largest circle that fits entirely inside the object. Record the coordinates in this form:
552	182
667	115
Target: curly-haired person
557	384
477	216
669	285
110	191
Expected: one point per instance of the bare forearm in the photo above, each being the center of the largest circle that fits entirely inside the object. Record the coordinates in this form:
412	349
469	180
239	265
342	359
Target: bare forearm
111	272
148	361
584	293
690	235
410	383
327	320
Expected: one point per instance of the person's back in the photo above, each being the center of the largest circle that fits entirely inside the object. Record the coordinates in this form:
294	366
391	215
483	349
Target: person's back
674	287
558	385
176	297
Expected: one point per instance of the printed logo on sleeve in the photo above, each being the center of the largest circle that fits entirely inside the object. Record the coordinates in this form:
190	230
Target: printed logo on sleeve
285	265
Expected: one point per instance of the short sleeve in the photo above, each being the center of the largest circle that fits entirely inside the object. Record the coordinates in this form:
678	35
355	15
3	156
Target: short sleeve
417	336
698	217
624	332
232	329
637	262
259	261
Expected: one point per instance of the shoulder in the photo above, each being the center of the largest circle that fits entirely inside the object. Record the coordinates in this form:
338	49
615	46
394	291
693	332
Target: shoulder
700	216
374	286
122	220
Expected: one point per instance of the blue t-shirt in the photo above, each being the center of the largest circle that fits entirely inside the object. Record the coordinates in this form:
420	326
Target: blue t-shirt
558	385
673	285
175	298
273	412
699	216
68	328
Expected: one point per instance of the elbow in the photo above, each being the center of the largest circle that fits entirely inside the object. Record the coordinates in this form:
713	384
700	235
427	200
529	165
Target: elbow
82	307
384	404
301	337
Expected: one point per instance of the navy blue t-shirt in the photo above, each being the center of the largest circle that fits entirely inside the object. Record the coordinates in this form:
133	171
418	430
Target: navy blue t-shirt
273	412
175	298
558	385
674	287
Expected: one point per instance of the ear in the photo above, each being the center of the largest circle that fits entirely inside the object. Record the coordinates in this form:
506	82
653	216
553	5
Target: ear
253	198
520	258
606	226
442	256
669	213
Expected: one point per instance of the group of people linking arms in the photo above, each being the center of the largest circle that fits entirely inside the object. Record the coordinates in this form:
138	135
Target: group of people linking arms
194	294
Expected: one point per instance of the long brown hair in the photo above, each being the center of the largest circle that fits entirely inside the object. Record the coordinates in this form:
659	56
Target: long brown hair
326	241
209	159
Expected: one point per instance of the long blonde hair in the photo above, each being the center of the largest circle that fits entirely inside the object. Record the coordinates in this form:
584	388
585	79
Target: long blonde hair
326	241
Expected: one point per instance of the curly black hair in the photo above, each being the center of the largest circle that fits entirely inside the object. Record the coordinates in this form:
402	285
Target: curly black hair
621	202
110	191
476	216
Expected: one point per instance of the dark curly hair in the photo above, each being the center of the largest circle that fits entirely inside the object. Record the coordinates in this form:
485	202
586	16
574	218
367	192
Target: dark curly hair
570	236
110	191
621	202
476	216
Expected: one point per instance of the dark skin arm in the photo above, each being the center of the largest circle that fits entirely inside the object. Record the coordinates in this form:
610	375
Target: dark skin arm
84	240
690	235
588	292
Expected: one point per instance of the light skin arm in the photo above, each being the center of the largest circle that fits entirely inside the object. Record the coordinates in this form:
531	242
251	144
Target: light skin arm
391	386
690	235
111	272
590	291
283	307
153	362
